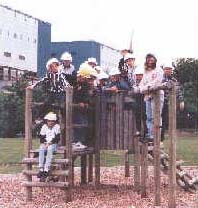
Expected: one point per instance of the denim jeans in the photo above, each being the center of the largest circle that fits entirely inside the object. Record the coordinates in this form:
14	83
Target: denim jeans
46	155
150	105
80	134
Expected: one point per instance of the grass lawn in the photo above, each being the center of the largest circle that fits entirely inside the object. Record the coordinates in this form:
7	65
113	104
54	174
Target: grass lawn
11	152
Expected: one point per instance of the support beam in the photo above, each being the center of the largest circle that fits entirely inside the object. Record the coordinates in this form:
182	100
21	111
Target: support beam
157	121
172	149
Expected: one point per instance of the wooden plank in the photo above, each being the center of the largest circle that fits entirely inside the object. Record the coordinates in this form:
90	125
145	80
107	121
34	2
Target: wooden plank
127	166
28	138
144	170
46	184
121	133
36	161
97	142
130	131
83	160
90	168
137	164
172	149
117	122
157	161
53	173
125	129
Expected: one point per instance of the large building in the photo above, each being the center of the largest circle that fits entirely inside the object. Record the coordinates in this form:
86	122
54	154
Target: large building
106	56
24	44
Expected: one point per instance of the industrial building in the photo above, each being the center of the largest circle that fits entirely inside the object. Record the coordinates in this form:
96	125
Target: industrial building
106	56
24	44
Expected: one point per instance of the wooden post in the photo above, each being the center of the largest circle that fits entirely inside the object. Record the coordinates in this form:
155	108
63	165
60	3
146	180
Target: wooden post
127	166
90	168
156	130
83	159
28	138
97	141
144	169
137	164
172	149
68	137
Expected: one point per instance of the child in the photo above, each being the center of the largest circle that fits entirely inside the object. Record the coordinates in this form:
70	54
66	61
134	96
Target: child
49	138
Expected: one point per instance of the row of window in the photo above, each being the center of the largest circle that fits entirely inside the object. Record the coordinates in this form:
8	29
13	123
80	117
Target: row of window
17	36
9	74
9	55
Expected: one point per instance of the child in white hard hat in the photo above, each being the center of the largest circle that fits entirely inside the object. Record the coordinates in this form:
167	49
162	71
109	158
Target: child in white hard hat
68	69
49	138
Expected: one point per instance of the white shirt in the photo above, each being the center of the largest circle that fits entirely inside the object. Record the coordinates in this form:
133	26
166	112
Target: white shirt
50	133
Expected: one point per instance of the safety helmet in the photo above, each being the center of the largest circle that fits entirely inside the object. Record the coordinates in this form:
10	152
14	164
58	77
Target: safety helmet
129	56
66	57
114	71
51	61
168	65
139	70
102	75
86	71
51	116
92	60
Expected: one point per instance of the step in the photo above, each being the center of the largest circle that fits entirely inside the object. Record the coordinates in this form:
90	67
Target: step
52	173
35	161
88	150
45	184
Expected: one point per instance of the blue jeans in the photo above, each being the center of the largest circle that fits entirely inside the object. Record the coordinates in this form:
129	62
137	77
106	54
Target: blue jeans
150	105
80	134
45	156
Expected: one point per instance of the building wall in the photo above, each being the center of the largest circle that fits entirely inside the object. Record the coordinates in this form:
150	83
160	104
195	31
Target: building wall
44	44
109	57
18	40
82	50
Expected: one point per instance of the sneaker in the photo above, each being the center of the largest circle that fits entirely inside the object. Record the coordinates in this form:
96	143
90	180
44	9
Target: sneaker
78	146
40	174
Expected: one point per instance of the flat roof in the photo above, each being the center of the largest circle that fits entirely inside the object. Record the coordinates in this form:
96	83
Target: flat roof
27	15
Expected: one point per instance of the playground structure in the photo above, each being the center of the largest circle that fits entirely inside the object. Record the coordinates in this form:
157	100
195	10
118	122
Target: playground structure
113	128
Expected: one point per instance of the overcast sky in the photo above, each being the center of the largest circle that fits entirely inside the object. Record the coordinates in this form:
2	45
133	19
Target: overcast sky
167	28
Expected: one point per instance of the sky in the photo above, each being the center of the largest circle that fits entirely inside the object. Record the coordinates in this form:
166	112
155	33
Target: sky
167	28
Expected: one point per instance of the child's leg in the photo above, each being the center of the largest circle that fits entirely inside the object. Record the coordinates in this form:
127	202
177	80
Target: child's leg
50	150
42	151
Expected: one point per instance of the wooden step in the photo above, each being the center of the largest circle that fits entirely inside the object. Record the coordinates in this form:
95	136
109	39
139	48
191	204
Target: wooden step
45	184
60	150
52	173
35	161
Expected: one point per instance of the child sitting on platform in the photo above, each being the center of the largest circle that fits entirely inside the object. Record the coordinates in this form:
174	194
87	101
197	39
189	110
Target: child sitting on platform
49	138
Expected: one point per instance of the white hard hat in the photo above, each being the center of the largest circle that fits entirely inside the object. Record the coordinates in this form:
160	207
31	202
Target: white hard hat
168	65
103	75
139	70
51	116
50	61
92	60
66	57
129	56
114	71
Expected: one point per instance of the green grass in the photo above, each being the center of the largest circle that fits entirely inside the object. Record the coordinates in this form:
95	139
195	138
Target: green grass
11	153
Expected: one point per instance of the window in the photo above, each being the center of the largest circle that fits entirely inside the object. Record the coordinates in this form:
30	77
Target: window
28	39
6	74
1	73
7	54
8	34
0	31
21	37
35	40
21	57
15	35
